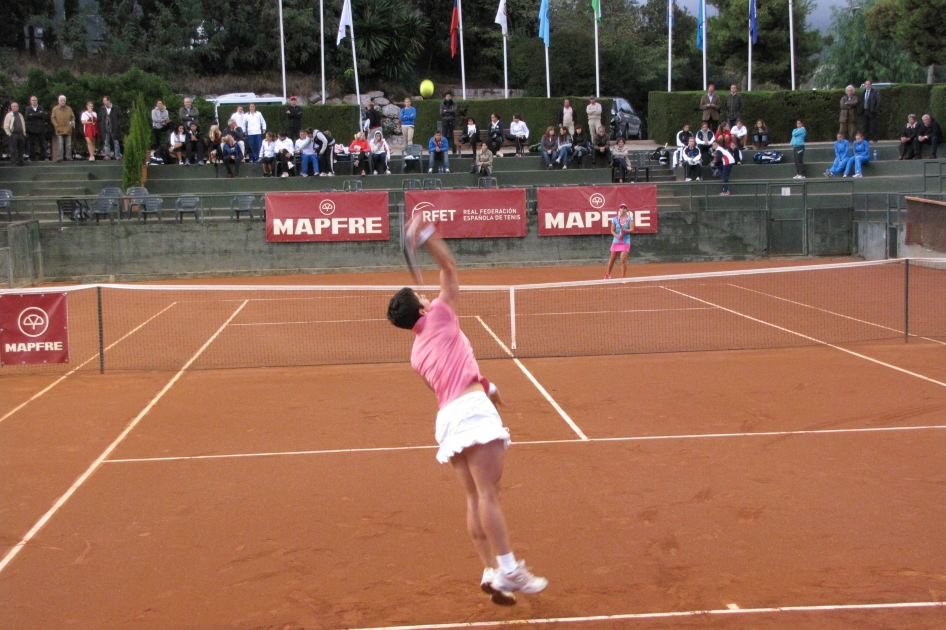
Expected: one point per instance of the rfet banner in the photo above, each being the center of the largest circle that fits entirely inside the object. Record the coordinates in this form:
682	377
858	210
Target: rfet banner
572	211
334	216
487	213
34	329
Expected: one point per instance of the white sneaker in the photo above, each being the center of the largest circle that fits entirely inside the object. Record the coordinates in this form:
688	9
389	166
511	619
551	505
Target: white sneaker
430	170
304	174
500	598
687	179
285	175
446	170
857	175
376	172
519	580
564	167
387	172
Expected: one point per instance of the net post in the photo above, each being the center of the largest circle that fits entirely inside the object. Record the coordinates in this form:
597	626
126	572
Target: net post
906	300
512	316
98	297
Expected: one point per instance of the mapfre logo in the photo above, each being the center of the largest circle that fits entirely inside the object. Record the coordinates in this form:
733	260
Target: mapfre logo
33	322
327	207
597	200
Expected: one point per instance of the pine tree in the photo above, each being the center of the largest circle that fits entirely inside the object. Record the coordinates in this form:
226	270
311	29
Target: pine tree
137	144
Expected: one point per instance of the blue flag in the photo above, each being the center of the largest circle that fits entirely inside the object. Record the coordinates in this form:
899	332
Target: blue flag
753	26
544	22
700	21
670	13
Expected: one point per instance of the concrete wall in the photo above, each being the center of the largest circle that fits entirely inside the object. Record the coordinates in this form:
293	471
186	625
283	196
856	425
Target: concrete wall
871	240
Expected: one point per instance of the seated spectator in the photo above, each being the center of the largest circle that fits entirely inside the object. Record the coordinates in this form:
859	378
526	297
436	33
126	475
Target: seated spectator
285	154
693	161
483	161
735	150
178	144
683	141
549	147
760	135
564	147
518	133
861	156
704	141
740	133
602	147
494	135
359	149
581	146
439	149
470	135
379	153
723	161
305	149
724	135
930	133
267	154
842	153
239	137
621	158
212	144
907	137
195	146
232	156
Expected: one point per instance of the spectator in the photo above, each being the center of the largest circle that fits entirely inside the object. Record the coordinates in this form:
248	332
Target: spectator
620	155
380	151
178	144
439	149
268	154
160	124
602	147
214	150
724	135
372	119
692	161
930	133
90	128
326	152
908	145
564	147
483	161
760	135
239	117
232	155
740	133
736	151
566	117
188	114
407	116
518	133
723	161
36	128
110	128
305	147
704	141
871	110
64	124
448	120
842	153
861	156
14	125
594	116
195	145
798	148
471	135
683	140
848	117
238	136
285	154
358	149
255	126
549	147
581	146
293	118
709	103
494	136
734	105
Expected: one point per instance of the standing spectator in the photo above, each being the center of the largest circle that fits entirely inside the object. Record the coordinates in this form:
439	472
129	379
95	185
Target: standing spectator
238	136
693	161
861	156
232	156
448	119
285	154
64	124
709	103
483	161
358	149
178	144
239	117
564	147
518	133
494	136
267	154
760	135
734	105
110	128
407	116
723	161
594	116
798	148
740	132
380	152
908	145
36	128
620	156
566	117
326	152
602	147
871	110
704	140
930	133
848	117
471	135
581	146
14	125
293	118
439	149
305	147
90	128
160	123
842	153
188	114
372	119
195	146
255	126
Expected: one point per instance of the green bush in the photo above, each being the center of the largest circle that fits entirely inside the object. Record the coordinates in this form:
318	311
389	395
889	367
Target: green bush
137	143
938	103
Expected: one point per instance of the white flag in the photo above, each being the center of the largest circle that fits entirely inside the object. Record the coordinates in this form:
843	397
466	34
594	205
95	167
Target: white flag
344	21
501	17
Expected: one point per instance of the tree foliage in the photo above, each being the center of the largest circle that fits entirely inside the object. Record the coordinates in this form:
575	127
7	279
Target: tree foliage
136	143
915	25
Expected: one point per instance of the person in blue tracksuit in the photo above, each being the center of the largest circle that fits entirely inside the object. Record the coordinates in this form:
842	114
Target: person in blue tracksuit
842	155
861	156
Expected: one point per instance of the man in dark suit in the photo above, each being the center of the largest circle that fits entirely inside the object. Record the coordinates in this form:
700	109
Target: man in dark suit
871	110
930	133
36	118
110	128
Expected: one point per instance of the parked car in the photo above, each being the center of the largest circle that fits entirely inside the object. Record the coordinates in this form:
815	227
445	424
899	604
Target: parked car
625	122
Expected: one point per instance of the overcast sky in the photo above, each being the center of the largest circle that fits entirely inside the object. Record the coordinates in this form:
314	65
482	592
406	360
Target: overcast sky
820	17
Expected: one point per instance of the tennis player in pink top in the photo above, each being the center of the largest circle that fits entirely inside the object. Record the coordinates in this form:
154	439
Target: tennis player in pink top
469	430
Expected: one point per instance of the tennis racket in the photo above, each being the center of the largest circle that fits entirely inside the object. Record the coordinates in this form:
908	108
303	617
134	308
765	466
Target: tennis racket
416	234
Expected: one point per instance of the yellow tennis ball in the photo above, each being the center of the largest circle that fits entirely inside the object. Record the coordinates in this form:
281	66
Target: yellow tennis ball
426	88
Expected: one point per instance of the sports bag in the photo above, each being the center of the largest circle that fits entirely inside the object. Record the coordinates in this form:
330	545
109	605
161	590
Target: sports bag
767	157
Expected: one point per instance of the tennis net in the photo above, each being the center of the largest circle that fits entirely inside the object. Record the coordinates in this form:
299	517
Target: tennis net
160	327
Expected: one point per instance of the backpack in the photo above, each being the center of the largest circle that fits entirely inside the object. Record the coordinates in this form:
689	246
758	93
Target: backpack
661	155
80	211
767	157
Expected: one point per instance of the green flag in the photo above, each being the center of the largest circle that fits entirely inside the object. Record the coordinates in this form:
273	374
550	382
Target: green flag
596	7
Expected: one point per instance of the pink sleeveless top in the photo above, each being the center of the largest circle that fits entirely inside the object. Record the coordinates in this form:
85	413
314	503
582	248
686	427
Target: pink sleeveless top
442	354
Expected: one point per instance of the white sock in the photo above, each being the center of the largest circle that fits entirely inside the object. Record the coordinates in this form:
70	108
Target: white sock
507	563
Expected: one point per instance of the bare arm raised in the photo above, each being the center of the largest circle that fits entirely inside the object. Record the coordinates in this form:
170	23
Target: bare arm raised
449	282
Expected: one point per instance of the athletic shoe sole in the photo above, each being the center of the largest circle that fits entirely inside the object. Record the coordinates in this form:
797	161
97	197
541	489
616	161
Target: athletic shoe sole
500	598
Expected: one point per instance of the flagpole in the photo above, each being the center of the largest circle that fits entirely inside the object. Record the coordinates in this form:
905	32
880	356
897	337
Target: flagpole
705	41
354	61
750	61
282	53
791	37
322	44
462	62
548	80
669	43
505	69
597	65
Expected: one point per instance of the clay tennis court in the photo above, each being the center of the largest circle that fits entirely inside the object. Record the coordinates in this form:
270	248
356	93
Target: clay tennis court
800	484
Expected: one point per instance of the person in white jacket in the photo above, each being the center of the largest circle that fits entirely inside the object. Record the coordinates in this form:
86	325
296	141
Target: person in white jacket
305	147
268	154
379	153
284	150
518	133
255	126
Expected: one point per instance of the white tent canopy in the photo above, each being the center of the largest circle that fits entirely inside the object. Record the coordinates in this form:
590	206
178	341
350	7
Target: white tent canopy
241	98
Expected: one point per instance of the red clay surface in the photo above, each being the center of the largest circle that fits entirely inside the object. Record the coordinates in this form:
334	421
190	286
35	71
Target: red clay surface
260	531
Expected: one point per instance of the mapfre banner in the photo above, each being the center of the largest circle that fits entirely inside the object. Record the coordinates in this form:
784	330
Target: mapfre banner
487	213
34	329
573	211
335	216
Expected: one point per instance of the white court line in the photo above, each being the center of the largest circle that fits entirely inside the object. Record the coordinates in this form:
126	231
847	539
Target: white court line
80	366
663	615
108	451
537	384
824	343
638	438
824	310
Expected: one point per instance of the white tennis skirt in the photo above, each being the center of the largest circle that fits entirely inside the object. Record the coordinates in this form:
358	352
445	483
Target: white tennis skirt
468	420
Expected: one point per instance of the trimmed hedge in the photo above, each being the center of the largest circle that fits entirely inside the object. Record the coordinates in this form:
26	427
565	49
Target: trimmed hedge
820	109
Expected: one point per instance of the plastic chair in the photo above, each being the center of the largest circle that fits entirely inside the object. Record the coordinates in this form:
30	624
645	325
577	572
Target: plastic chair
412	184
6	203
75	209
149	205
487	182
188	204
433	183
104	207
352	185
134	196
412	155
